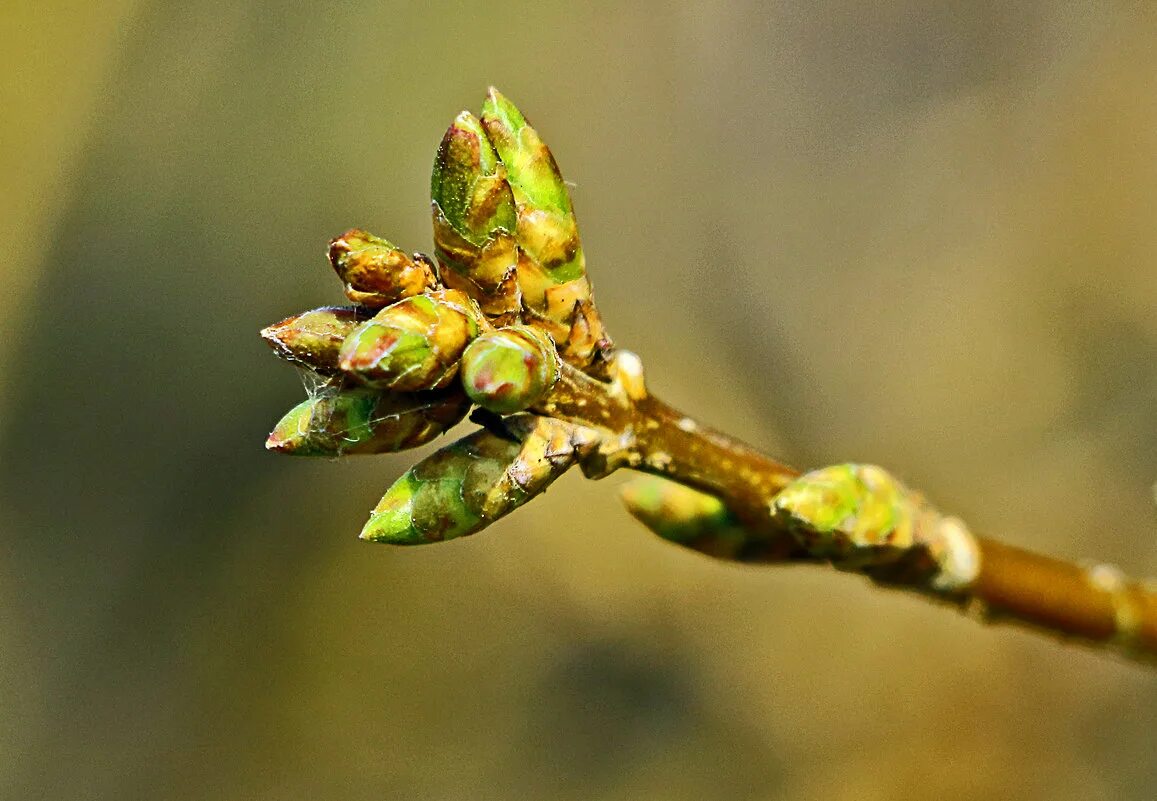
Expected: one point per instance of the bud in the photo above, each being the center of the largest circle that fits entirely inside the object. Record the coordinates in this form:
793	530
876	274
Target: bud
474	220
673	511
537	184
511	369
551	265
359	420
375	272
314	338
412	345
469	484
852	514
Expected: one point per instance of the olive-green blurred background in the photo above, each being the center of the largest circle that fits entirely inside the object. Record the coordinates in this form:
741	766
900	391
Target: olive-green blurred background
914	233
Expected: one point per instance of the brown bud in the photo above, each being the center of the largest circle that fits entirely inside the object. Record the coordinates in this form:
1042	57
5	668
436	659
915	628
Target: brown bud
375	272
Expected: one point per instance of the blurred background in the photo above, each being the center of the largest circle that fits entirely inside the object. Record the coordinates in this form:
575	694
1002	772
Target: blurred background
913	233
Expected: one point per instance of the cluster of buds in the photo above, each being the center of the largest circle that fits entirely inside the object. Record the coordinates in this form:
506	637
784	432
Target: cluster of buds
502	319
490	321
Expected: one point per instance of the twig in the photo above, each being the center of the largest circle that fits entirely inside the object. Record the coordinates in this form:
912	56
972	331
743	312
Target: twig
942	559
506	321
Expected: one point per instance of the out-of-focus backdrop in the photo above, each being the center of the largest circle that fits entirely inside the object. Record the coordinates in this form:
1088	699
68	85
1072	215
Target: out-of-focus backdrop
920	234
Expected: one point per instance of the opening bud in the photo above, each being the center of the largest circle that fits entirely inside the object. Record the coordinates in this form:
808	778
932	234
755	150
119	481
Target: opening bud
556	295
547	229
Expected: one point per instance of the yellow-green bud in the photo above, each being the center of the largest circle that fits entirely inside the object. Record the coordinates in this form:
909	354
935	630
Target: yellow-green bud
556	295
469	484
412	345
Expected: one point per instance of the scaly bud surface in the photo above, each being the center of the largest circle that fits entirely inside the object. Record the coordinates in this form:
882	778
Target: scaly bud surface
412	345
556	294
475	220
469	484
375	272
314	338
509	370
361	421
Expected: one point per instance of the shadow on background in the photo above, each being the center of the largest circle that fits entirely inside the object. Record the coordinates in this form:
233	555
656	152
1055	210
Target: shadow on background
916	236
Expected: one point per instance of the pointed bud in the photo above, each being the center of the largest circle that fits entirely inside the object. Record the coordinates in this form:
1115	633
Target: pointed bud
375	272
475	220
412	345
547	229
469	484
551	265
534	175
313	339
359	420
511	369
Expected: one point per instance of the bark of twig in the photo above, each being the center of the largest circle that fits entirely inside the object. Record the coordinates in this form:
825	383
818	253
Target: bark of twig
1094	604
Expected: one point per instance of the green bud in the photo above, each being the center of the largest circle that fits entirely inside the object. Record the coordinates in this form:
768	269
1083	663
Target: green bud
469	484
511	369
359	420
412	345
375	272
475	220
556	294
547	229
313	339
534	175
851	514
684	515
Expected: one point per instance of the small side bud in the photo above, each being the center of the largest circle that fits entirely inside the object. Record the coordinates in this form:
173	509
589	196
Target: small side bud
412	345
854	515
314	338
683	515
362	421
375	272
509	370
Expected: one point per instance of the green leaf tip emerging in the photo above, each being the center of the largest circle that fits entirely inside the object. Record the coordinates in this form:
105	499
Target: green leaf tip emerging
468	183
547	229
475	220
552	281
534	175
